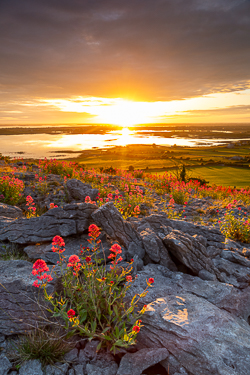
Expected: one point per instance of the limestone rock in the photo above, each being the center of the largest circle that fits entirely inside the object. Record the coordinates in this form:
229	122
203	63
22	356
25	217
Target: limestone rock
71	219
155	249
79	191
187	316
19	310
189	251
11	212
5	364
135	363
112	222
32	367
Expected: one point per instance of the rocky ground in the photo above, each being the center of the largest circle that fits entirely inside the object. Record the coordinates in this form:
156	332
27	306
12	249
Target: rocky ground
198	314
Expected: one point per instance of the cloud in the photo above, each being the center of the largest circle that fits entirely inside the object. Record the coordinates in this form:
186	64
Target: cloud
137	49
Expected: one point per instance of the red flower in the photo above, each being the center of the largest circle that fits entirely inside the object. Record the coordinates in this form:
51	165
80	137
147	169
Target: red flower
88	259
39	266
94	231
132	260
129	278
58	244
111	282
71	313
136	329
116	249
74	261
151	280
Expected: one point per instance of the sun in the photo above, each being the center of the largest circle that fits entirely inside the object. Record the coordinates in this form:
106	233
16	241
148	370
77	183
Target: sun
122	112
126	137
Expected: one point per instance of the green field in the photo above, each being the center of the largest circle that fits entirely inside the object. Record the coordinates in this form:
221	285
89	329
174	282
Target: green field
225	176
219	175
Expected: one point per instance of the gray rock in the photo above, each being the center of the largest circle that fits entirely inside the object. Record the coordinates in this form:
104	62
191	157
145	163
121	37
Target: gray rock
173	366
11	212
232	273
57	369
72	372
205	275
44	251
134	249
71	219
32	367
18	297
79	191
79	369
159	223
83	358
213	251
135	363
187	316
5	364
189	251
71	356
155	249
112	222
107	369
90	349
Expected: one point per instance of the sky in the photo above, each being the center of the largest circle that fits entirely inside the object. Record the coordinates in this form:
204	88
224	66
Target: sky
124	62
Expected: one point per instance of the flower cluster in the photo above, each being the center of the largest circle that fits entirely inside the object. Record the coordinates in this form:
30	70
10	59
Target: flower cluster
58	245
39	270
11	189
75	263
115	251
94	297
31	209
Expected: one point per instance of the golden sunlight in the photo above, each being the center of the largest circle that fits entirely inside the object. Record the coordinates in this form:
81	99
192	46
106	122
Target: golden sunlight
127	113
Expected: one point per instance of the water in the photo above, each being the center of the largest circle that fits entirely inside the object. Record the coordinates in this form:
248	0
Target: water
59	145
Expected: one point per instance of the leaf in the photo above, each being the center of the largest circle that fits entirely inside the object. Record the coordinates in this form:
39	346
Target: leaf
99	346
83	316
108	338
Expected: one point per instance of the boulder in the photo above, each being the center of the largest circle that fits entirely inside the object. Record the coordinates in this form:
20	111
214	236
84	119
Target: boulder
189	251
112	222
5	364
79	191
19	310
136	363
71	219
32	367
73	245
196	321
11	212
155	249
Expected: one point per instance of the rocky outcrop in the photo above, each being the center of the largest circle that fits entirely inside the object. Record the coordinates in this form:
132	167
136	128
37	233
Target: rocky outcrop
11	212
189	251
112	222
189	320
73	245
79	191
136	363
66	221
19	309
197	320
